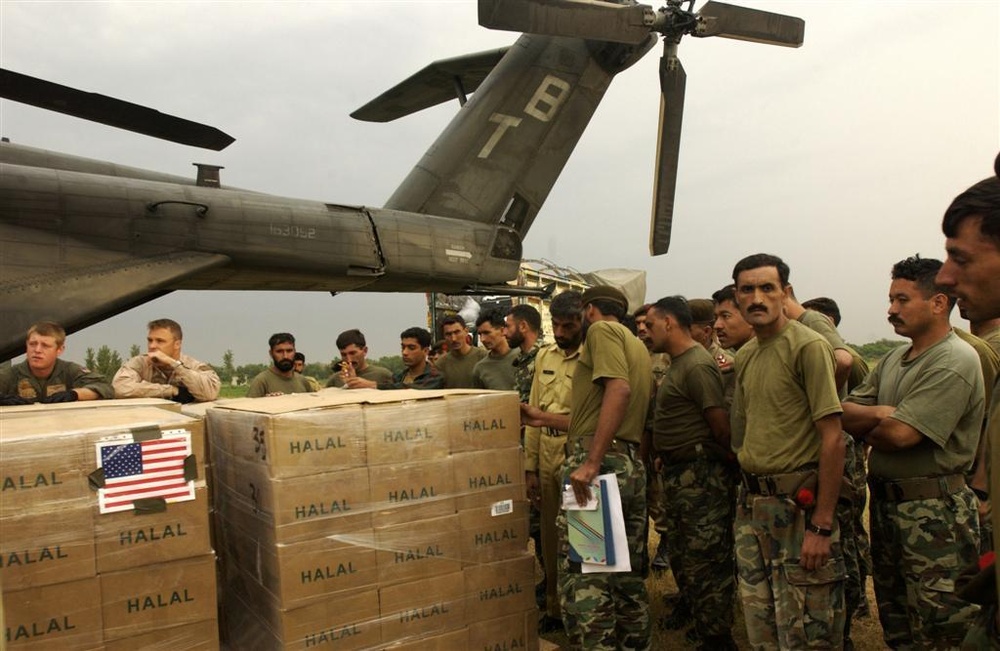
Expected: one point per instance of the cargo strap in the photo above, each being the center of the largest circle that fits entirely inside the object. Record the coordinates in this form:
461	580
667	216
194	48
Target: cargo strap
775	485
920	488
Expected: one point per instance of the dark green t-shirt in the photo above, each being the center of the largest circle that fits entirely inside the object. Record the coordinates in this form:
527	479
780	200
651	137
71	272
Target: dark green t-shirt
457	369
940	394
496	373
377	374
783	386
610	351
268	382
692	384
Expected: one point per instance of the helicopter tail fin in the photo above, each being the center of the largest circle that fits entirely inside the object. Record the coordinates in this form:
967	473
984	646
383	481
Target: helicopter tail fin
501	154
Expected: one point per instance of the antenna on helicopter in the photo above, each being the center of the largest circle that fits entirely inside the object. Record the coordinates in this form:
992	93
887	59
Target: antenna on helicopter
631	24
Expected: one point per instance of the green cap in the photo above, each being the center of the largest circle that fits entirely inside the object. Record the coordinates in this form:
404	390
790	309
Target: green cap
606	292
702	310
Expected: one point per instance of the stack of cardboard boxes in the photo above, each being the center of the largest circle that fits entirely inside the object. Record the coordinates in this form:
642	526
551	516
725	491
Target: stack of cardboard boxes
76	578
386	519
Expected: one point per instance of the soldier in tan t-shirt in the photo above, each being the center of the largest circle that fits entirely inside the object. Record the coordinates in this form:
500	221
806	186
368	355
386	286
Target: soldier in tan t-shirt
610	397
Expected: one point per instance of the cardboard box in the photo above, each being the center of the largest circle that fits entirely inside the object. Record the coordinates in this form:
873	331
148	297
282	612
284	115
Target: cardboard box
413	491
494	533
401	432
449	641
501	588
46	548
501	633
298	572
295	508
60	616
418	549
430	605
131	539
488	476
42	471
344	621
290	436
104	405
200	636
143	599
487	420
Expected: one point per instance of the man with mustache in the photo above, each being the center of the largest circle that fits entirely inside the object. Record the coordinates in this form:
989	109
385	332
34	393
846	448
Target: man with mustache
279	378
971	273
921	411
787	437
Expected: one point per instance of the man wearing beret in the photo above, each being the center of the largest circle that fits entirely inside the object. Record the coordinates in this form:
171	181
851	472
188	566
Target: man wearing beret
610	395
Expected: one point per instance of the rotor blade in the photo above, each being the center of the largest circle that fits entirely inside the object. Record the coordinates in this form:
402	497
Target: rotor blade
110	111
589	19
730	21
672	82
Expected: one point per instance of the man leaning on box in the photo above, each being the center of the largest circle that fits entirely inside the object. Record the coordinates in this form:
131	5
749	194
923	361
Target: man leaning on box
610	395
43	377
165	372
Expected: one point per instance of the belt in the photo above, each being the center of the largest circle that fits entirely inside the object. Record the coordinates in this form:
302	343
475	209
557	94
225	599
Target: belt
618	445
554	433
920	488
773	485
693	452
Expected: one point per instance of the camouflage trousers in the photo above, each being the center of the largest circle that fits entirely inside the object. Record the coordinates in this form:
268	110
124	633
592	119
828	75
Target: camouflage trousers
698	508
785	605
853	537
610	610
919	547
985	633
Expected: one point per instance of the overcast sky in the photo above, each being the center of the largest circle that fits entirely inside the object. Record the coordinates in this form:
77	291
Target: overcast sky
839	156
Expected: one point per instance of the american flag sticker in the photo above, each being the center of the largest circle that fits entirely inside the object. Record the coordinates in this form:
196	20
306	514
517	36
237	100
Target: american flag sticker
135	470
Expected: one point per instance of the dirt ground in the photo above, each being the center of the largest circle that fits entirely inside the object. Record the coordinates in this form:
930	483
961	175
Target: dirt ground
866	632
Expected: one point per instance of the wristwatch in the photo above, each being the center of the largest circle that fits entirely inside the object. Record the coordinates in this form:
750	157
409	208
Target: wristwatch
819	531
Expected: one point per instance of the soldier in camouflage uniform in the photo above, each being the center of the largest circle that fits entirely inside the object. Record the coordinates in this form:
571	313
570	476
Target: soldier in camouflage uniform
921	411
610	395
972	274
43	377
850	531
523	331
690	445
787	437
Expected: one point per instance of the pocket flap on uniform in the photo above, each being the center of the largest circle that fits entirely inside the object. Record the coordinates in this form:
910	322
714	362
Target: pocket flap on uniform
940	583
830	572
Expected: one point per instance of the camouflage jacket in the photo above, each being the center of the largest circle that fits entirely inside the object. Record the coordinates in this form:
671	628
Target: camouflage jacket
524	371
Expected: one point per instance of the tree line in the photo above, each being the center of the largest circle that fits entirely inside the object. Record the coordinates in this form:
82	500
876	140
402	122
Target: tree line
107	361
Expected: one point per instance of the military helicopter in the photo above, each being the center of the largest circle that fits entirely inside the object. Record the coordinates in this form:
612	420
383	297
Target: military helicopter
87	239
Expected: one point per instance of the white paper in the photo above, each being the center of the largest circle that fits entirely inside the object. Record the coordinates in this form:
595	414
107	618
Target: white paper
569	502
623	562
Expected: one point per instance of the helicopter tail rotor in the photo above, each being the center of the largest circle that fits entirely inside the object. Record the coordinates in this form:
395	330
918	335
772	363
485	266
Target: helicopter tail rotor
631	23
